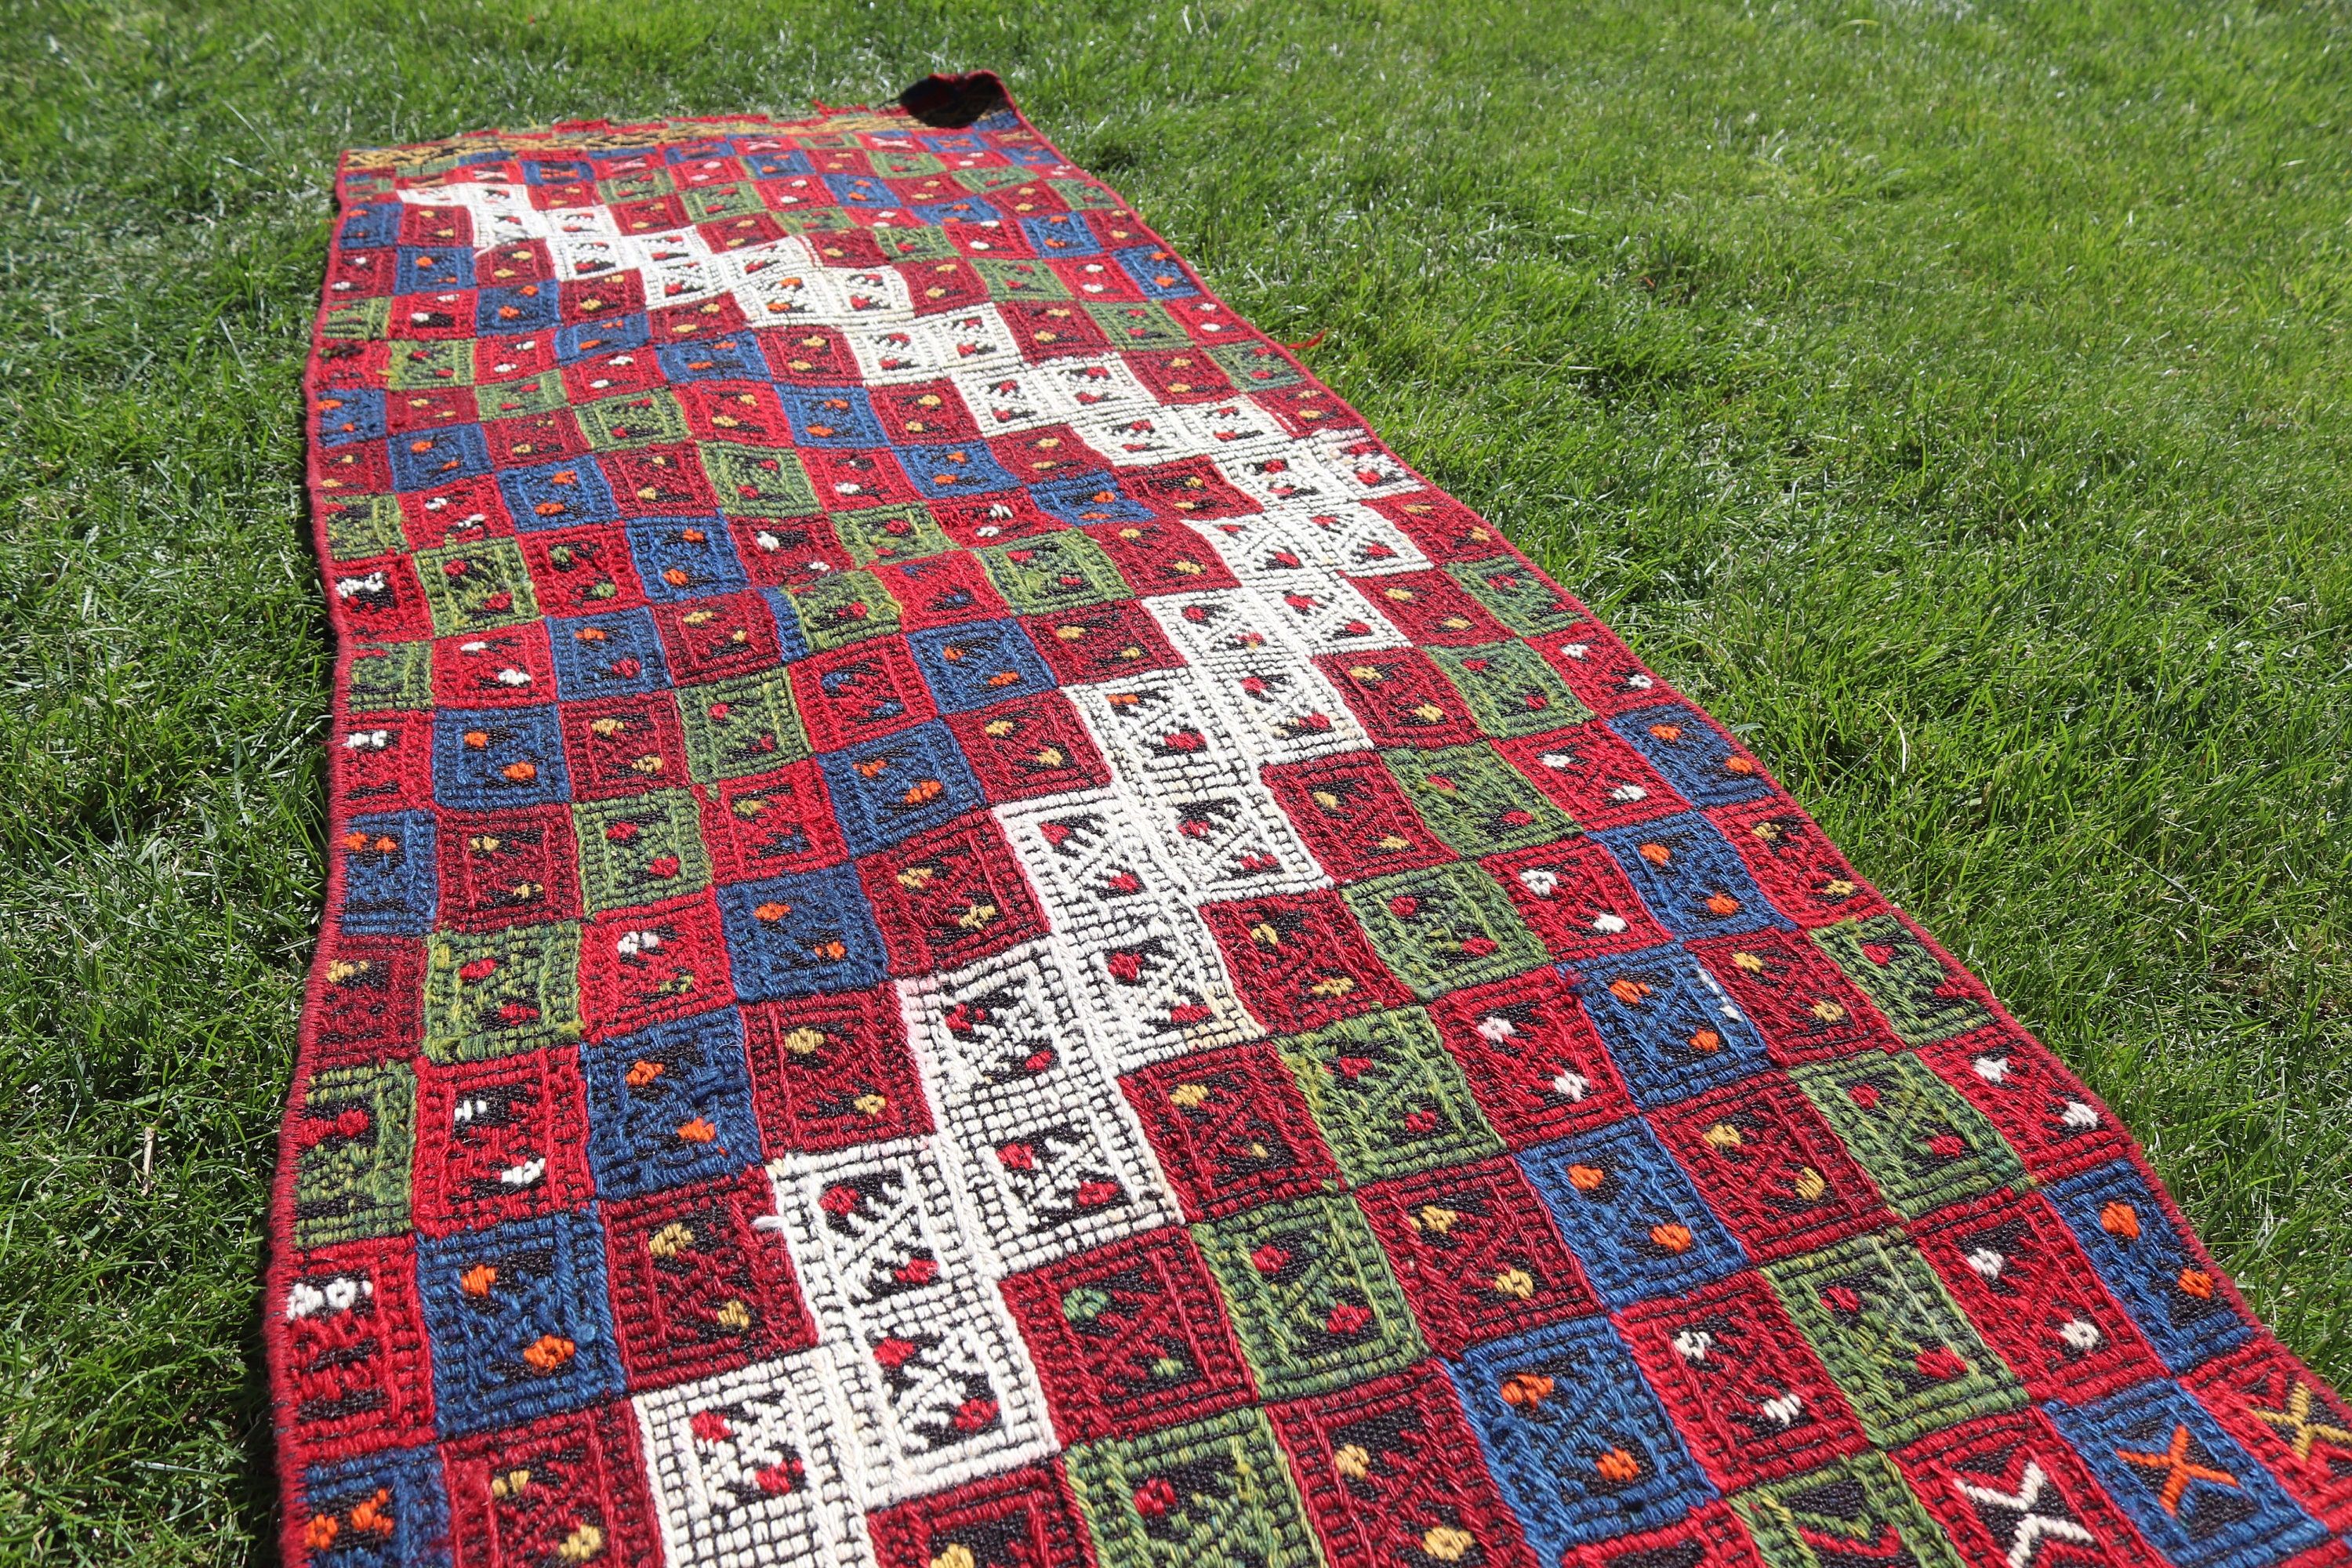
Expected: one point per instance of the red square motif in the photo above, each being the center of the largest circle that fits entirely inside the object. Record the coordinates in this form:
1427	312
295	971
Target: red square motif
586	1474
1389	1466
850	694
499	1140
1476	1253
698	1289
832	1070
623	745
1767	1164
1129	1337
1029	746
711	638
950	896
2015	1269
1022	1519
1532	1057
1300	960
507	867
1753	1401
1231	1129
353	1367
642	966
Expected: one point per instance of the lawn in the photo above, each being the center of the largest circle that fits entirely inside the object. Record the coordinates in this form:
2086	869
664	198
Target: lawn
1950	395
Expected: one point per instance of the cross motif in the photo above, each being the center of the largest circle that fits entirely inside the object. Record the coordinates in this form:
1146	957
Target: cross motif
2031	1523
2294	1422
2179	1469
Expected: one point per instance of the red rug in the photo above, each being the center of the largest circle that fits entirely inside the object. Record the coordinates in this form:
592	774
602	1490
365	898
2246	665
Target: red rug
968	929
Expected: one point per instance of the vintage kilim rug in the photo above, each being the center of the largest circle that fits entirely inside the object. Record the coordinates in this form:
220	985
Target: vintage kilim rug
967	929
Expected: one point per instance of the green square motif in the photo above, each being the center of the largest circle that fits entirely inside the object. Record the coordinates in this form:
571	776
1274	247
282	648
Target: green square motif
708	204
1020	281
745	725
887	533
349	1185
385	677
1084	195
1921	1142
1313	1303
1254	365
632	419
1476	801
363	526
361	322
492	993
1388	1096
925	244
474	587
1509	688
1219	1492
1139	325
1049	572
1517	594
980	182
757	481
637	186
1445	927
814	220
1910	984
1840	1514
1904	1353
640	849
422	367
841	608
898	163
532	394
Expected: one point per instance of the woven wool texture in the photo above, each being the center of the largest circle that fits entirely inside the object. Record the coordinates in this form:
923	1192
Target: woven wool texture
968	929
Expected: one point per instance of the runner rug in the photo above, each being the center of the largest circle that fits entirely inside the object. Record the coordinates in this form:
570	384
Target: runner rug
968	929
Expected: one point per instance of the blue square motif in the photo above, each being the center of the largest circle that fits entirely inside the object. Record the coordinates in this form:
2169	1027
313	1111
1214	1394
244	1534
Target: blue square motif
486	759
523	308
1149	267
736	358
977	663
612	654
832	417
1574	1438
520	1322
895	786
2201	1499
800	935
585	340
1691	877
357	416
1081	499
1670	1029
428	269
423	458
401	1489
390	881
684	557
2143	1262
376	224
1631	1214
1061	233
944	473
557	495
1683	745
669	1105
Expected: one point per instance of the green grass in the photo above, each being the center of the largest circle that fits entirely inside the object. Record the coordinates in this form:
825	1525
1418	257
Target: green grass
1952	396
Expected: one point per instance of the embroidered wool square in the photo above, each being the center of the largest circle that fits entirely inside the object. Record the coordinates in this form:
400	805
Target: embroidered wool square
966	928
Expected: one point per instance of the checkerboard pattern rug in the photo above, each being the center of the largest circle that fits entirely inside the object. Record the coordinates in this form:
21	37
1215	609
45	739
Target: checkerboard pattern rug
968	929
